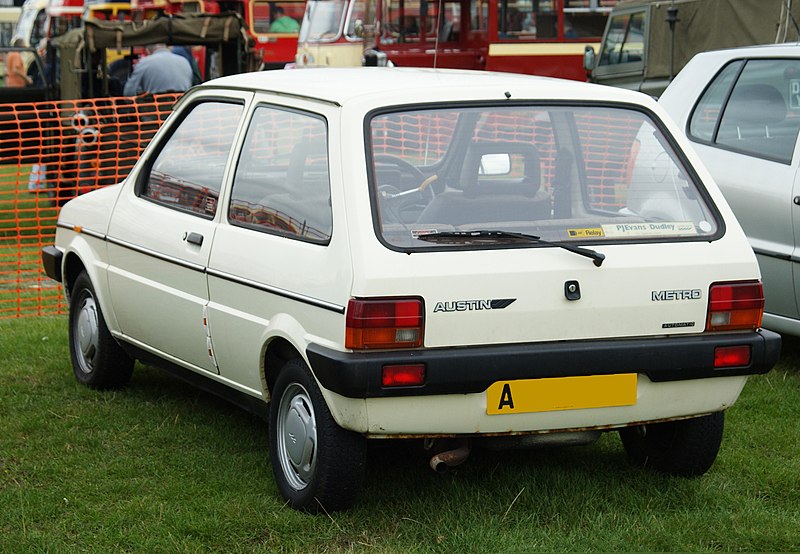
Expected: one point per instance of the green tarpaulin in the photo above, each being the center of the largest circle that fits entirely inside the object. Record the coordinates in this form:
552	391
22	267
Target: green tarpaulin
711	25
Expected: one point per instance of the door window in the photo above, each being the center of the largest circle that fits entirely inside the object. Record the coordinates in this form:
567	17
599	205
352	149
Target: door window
761	111
624	42
188	170
282	182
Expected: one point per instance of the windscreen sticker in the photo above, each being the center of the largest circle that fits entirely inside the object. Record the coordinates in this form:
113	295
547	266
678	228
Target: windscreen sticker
589	233
662	229
423	232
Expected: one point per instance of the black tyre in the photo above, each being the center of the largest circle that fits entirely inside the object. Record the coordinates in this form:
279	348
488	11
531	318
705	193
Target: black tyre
97	360
686	448
318	466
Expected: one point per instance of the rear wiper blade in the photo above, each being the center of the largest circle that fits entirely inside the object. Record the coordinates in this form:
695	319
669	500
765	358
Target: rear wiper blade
486	236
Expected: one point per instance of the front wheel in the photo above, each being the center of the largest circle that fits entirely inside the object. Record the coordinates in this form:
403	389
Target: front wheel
317	464
686	448
97	360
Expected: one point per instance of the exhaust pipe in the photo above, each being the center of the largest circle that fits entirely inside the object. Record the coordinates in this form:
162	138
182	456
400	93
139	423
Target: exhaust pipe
450	458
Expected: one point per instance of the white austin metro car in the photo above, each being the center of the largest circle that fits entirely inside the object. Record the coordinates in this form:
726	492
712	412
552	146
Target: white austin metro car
379	252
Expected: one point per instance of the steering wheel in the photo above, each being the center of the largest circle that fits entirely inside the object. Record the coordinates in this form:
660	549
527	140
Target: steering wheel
405	205
406	167
402	164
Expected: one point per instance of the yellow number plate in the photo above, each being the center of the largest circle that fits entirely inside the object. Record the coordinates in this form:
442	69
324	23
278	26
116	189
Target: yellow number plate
561	393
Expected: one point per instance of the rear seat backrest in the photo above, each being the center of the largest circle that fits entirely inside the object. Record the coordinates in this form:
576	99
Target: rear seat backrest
755	122
492	198
754	107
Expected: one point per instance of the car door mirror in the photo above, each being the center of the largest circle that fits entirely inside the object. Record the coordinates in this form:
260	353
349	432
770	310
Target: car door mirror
588	59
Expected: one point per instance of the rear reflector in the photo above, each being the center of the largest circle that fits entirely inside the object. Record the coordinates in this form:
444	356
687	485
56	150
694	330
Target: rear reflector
384	323
733	306
731	356
403	375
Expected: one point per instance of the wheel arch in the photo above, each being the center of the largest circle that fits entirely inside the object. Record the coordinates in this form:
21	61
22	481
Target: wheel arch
77	259
277	352
73	265
280	347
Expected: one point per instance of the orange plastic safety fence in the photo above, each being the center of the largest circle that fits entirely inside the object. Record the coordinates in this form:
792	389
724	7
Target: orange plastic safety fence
51	152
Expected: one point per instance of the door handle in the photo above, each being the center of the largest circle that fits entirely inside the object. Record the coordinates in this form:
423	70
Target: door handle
193	238
796	200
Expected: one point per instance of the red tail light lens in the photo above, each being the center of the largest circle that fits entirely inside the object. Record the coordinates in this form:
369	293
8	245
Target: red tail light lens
734	306
731	356
384	323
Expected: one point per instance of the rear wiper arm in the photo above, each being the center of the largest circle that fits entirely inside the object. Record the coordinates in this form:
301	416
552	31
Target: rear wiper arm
489	236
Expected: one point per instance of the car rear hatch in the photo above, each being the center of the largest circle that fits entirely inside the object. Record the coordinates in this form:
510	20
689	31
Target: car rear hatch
537	222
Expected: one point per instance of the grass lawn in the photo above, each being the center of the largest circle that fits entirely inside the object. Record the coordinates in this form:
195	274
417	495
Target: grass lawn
162	467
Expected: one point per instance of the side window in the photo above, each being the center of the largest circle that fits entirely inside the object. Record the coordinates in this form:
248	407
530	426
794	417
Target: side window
706	113
762	116
625	40
515	19
187	173
356	17
282	182
479	15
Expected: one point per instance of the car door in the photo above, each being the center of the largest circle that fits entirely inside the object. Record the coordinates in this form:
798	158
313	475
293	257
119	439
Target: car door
746	125
162	229
275	265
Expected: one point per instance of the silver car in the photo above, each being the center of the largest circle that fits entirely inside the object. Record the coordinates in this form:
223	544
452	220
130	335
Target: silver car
741	109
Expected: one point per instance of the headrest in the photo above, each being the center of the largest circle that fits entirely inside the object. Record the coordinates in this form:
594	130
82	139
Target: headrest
527	184
304	154
755	104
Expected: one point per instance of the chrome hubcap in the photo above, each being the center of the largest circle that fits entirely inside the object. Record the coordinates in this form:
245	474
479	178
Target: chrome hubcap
87	334
297	436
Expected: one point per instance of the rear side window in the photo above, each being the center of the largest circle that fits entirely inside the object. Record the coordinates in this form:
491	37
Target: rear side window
282	182
752	107
187	172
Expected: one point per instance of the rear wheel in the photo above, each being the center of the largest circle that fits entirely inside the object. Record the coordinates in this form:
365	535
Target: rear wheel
686	448
97	360
317	464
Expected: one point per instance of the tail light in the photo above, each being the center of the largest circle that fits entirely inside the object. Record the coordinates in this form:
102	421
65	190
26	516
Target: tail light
384	323
733	306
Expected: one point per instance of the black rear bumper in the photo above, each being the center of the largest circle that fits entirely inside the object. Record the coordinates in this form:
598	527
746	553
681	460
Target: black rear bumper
472	369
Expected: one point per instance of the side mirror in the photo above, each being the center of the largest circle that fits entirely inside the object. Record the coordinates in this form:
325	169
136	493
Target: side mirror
588	59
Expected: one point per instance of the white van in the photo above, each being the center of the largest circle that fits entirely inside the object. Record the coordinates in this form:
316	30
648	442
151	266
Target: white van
380	253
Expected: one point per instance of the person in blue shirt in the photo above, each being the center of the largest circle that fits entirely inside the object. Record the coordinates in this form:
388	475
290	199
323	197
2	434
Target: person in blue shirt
160	71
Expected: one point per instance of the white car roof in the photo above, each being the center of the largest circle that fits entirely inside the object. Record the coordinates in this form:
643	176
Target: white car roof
413	85
790	50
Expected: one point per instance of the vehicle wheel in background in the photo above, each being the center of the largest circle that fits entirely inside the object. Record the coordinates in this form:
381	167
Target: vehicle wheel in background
97	360
317	464
686	447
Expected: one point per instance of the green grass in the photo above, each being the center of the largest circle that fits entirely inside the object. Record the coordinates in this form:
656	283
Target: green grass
162	467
